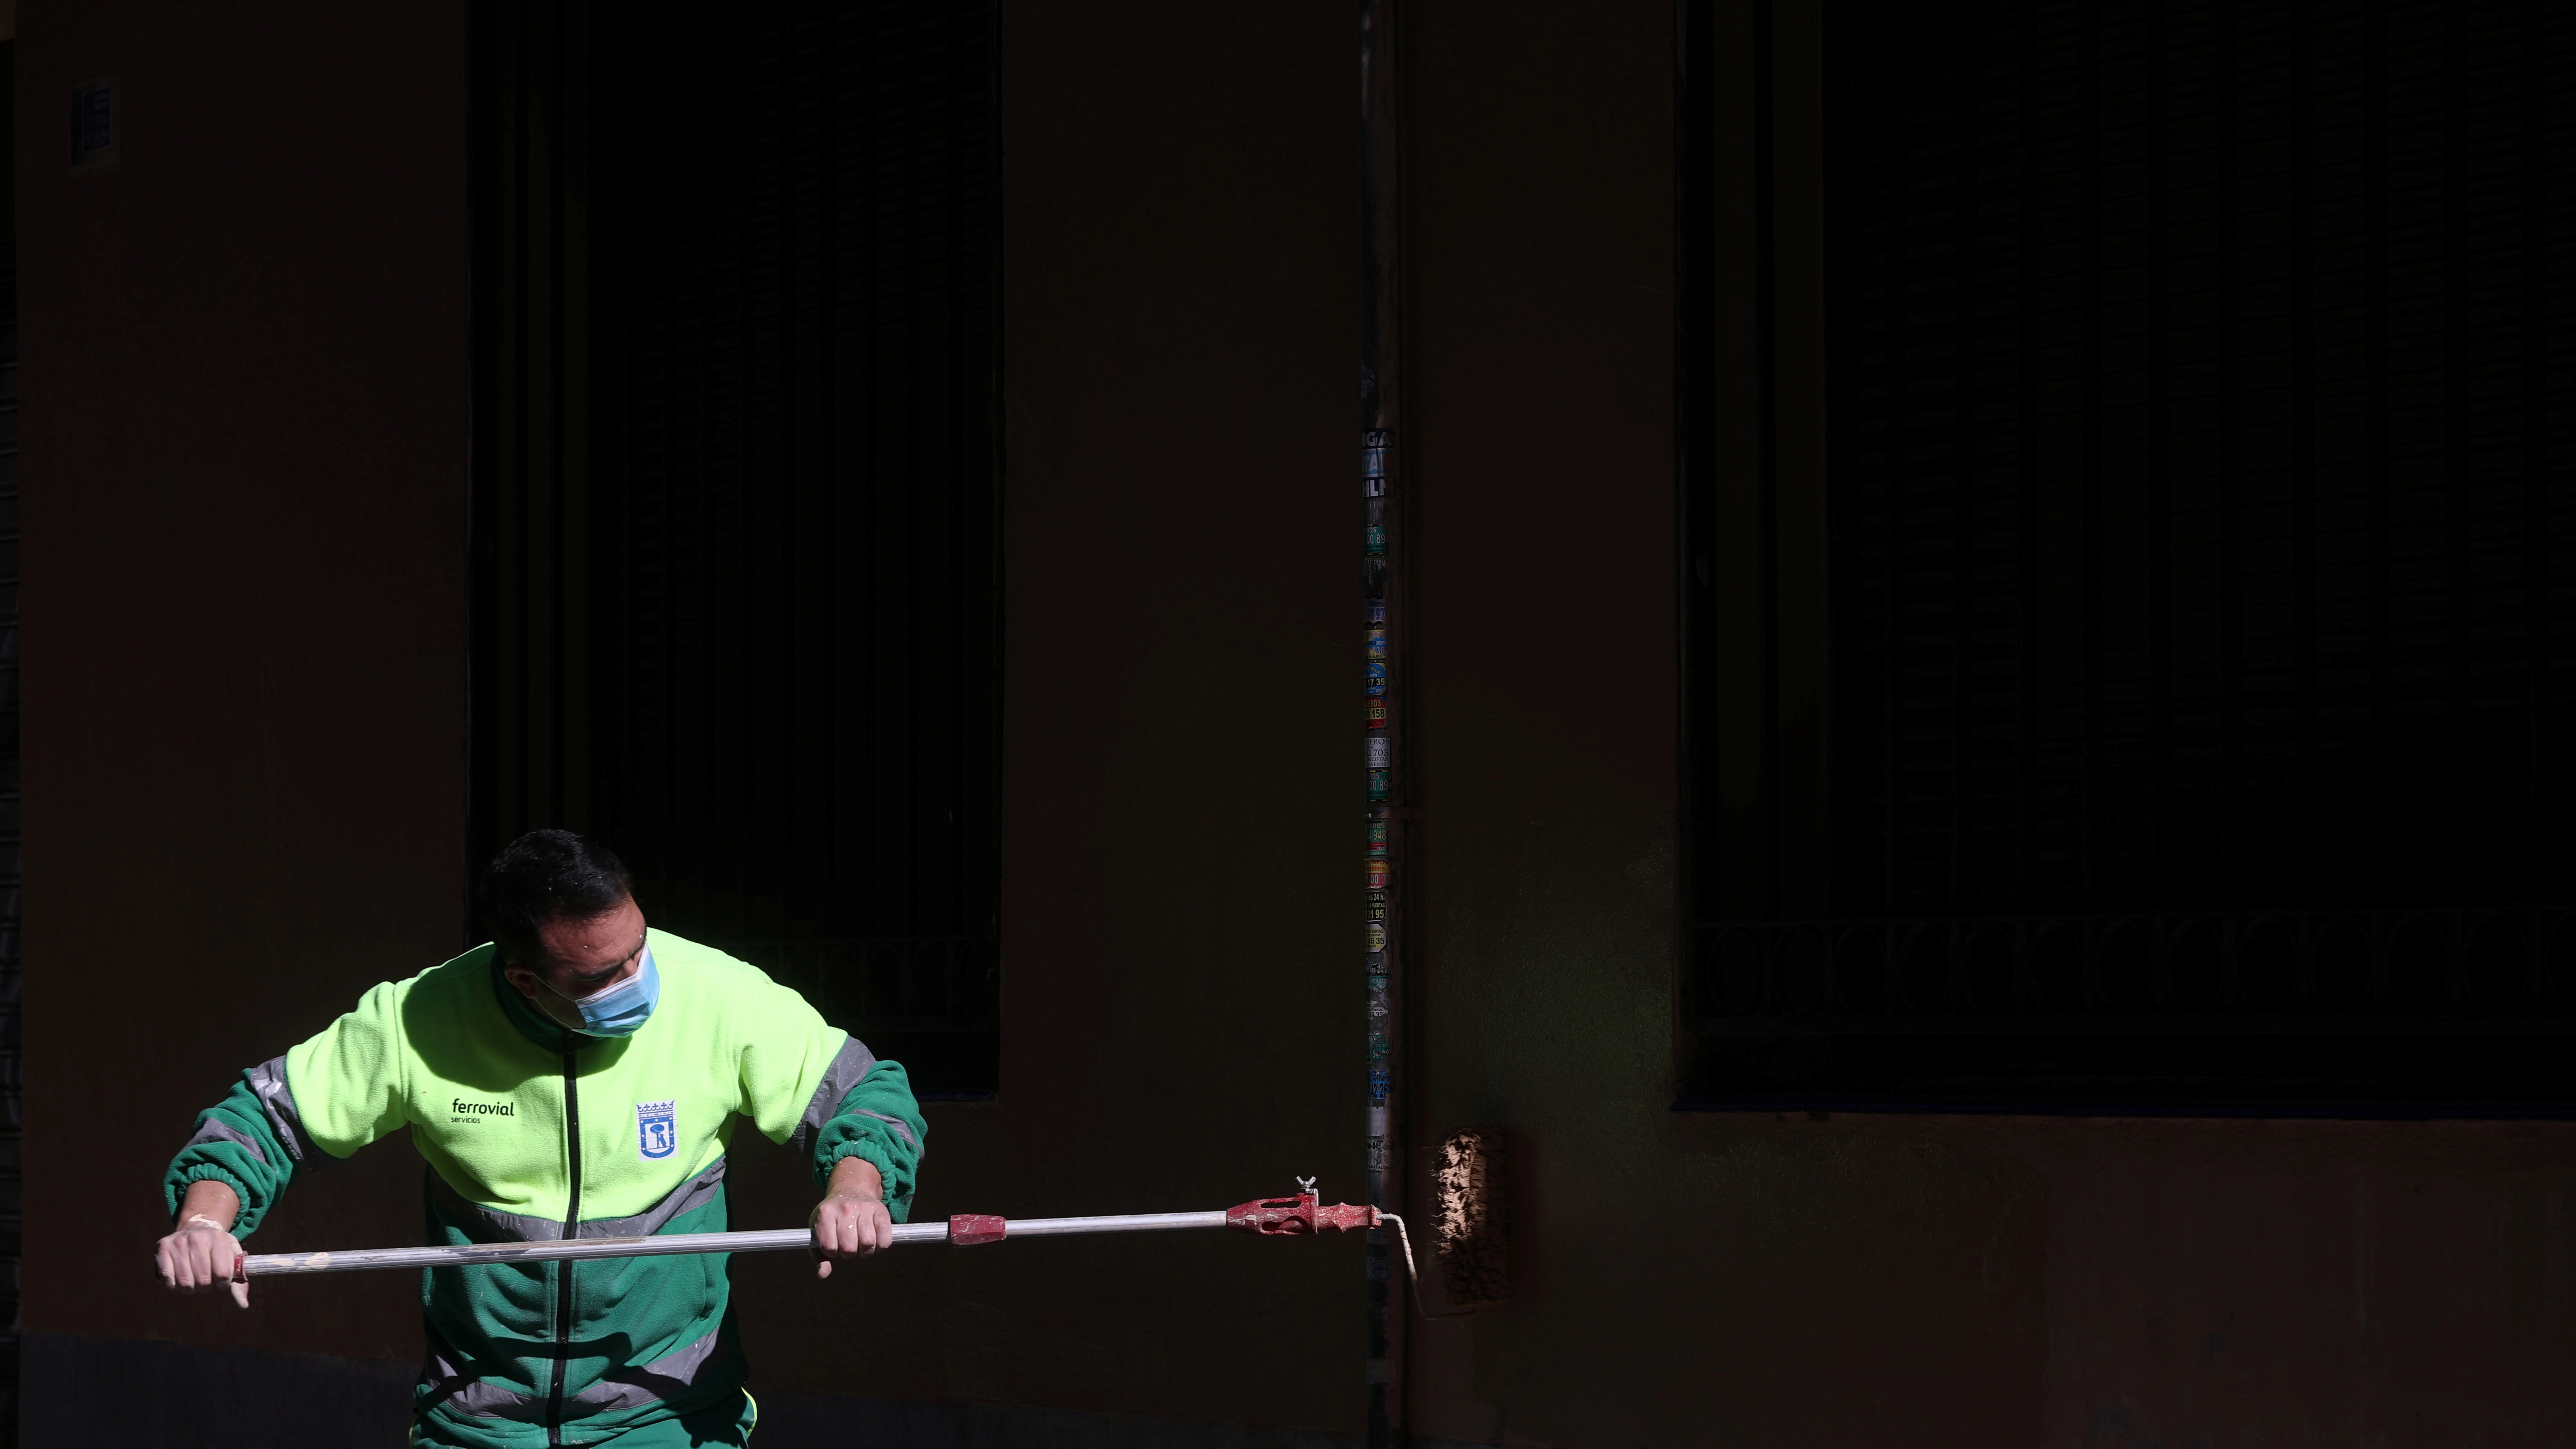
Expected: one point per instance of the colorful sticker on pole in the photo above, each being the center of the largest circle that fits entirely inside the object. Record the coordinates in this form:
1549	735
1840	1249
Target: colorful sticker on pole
1377	784
1377	714
1377	873
1377	676
1377	837
1381	752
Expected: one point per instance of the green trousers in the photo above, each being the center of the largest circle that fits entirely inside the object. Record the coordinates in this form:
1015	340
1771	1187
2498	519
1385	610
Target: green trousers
711	1430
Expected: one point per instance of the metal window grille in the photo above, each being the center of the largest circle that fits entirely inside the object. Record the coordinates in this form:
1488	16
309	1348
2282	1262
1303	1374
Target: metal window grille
2201	556
783	615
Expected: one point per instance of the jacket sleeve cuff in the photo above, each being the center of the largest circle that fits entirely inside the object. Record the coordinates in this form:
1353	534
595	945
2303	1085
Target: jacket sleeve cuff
877	1120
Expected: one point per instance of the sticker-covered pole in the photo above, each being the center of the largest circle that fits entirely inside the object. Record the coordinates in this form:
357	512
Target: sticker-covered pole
1385	810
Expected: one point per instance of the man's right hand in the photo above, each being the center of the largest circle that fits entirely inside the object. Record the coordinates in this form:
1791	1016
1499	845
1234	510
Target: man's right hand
201	1250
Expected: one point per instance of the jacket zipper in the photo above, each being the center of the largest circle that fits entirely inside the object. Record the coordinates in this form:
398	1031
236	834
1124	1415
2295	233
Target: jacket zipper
571	1229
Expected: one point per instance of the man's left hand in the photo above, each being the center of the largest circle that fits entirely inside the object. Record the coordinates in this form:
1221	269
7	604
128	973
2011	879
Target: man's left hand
851	1221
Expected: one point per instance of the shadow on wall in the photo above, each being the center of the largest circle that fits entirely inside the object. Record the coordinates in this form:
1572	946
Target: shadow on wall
130	1394
148	1395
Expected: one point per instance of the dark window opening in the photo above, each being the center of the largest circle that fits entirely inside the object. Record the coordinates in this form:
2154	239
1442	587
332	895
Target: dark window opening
738	505
2200	577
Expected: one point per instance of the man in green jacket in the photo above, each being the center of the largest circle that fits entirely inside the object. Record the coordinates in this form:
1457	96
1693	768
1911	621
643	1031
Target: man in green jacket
578	1077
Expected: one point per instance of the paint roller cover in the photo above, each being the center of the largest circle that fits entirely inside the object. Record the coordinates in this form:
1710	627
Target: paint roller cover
1472	1234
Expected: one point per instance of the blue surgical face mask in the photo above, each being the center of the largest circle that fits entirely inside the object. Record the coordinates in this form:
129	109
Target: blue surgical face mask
621	1006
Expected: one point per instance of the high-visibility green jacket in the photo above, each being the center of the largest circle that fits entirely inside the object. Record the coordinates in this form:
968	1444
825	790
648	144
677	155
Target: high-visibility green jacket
533	1131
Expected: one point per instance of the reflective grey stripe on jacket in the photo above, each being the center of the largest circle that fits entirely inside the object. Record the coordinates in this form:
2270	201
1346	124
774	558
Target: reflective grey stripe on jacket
672	1374
850	1066
500	1227
268	1080
215	1129
901	1128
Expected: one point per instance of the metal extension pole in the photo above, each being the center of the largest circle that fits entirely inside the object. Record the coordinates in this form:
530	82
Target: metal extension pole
962	1231
1290	1217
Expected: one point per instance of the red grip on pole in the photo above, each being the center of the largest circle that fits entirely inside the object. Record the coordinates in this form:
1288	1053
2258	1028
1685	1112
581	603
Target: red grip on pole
967	1229
241	1268
1297	1216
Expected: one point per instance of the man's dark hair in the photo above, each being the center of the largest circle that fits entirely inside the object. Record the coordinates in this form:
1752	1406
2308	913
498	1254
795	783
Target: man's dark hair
548	875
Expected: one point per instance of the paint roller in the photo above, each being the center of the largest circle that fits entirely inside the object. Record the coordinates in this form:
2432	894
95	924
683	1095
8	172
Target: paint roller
1471	1232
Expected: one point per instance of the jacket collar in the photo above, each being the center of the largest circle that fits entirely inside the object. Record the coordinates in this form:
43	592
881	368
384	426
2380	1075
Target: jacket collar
533	1024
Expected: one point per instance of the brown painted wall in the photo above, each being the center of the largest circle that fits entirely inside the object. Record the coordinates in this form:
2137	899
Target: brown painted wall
247	435
244	354
245	445
1181	1001
1710	1279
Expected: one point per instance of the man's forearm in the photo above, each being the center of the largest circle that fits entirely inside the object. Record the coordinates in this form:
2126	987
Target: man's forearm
855	1177
209	1204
